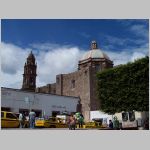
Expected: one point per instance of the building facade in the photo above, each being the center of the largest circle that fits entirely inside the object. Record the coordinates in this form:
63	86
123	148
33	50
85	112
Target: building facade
83	82
16	100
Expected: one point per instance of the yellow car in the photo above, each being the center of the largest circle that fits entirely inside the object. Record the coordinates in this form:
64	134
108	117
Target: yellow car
94	124
9	120
51	122
56	122
41	122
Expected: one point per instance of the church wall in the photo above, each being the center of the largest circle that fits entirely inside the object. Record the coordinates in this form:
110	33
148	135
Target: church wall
49	88
94	101
59	84
77	84
95	67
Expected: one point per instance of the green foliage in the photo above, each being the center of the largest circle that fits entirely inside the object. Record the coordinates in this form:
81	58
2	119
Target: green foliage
125	88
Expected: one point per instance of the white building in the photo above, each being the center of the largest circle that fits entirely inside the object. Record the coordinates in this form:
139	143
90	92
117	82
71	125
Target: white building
23	101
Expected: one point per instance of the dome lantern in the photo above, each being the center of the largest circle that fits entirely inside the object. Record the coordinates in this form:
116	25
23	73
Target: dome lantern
94	45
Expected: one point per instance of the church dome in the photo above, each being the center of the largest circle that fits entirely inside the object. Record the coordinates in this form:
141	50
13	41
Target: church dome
95	52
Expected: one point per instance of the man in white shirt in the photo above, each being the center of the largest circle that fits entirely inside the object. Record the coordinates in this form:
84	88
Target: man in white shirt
21	120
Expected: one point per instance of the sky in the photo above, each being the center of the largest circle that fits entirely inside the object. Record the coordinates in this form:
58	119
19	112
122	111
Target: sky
58	45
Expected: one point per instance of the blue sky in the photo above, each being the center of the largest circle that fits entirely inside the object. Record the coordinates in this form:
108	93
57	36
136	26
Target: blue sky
58	44
75	32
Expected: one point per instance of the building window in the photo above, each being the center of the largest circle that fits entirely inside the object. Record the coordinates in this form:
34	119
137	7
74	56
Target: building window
11	116
125	116
72	84
131	116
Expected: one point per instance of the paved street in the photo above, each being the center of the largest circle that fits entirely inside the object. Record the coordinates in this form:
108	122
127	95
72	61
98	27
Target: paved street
46	129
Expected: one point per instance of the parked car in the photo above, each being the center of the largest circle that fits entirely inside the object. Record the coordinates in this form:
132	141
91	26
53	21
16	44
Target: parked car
96	123
42	122
9	120
51	122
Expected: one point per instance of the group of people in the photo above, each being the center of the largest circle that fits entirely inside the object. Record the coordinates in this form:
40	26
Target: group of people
75	119
24	117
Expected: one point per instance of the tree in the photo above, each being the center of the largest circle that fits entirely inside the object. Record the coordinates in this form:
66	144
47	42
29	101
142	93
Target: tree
125	88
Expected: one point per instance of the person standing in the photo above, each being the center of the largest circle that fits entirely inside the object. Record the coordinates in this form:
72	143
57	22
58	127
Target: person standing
20	120
72	122
23	120
110	124
32	119
80	121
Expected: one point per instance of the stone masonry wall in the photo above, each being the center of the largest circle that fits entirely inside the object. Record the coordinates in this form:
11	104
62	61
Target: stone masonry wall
81	87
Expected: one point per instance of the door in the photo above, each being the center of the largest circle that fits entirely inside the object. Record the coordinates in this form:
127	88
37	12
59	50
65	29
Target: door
11	121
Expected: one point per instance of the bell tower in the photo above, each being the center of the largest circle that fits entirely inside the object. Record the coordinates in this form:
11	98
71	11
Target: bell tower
29	76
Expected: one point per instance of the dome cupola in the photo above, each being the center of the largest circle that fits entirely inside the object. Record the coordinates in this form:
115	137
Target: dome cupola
95	52
95	57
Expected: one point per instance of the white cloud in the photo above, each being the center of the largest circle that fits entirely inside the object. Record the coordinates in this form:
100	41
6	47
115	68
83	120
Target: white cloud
12	64
128	55
137	55
51	62
57	60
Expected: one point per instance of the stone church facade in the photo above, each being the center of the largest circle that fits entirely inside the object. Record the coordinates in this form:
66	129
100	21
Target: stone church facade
82	83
